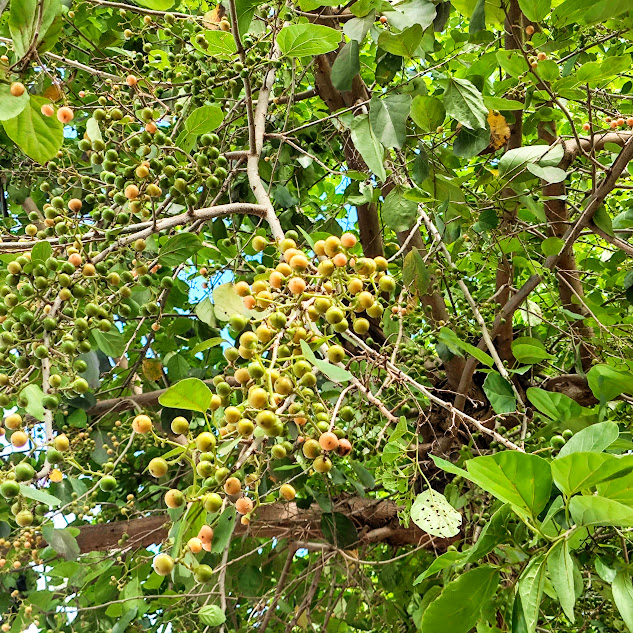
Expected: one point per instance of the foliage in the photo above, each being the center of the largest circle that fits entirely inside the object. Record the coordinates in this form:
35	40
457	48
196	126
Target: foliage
316	316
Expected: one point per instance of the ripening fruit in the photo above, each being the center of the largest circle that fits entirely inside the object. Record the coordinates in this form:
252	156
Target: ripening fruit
17	89
383	19
203	573
132	192
257	398
107	483
328	441
24	518
242	289
311	449
361	326
322	464
47	109
387	283
620	122
298	262
332	245
319	248
340	260
65	114
541	57
629	121
232	486
163	564
13	421
75	205
212	502
75	259
613	125
142	424
529	30
205	441
131	80
244	505
586	127
158	467
180	425
174	498
296	285
206	537
19	439
344	447
194	545
61	443
259	243
335	353
9	489
288	492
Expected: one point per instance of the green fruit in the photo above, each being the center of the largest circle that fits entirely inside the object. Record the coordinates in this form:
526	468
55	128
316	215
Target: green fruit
24	518
212	502
9	489
158	467
107	483
221	474
558	441
203	573
24	472
237	322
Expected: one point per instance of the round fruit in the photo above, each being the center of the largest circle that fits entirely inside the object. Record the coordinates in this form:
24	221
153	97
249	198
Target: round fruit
311	449
17	89
287	492
244	505
158	467
24	518
107	483
205	441
13	421
212	502
335	353
174	498
61	443
9	489
180	425
232	486
65	115
47	109
328	441
222	474
142	424
344	447
163	564
19	439
24	472
203	573
258	398
194	545
322	464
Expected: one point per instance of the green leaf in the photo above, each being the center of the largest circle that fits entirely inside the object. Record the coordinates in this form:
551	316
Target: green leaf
535	11
204	119
457	608
552	246
581	471
388	118
399	213
403	44
530	589
547	174
302	40
464	103
560	567
494	532
520	479
11	106
427	112
441	562
33	395
478	18
245	12
623	597
223	530
333	372
499	103
62	541
448	467
211	615
346	66
607	383
24	22
179	249
620	490
432	513
420	169
469	143
219	44
455	344
228	303
110	343
38	136
191	394
39	495
500	394
512	62
405	14
557	406
338	529
156	5
205	311
594	438
600	511
529	350
41	252
125	619
368	145
514	161
209	343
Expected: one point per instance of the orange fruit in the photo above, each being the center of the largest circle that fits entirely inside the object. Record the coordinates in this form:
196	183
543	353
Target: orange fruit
17	89
142	424
65	114
244	505
328	441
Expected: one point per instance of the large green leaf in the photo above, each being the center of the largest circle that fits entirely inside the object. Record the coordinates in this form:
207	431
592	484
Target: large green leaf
600	511
156	5
211	615
39	495
403	44
535	10
191	394
414	271
521	479
25	22
458	607
607	382
514	161
33	395
432	513
62	541
302	40
455	344
346	66
219	43
39	137
338	529
499	392
398	212
226	302
530	589
388	118
441	562
594	438
529	350
204	119
583	470
556	406
465	104
620	489
179	248
623	596
368	145
428	112
405	14
560	567
11	106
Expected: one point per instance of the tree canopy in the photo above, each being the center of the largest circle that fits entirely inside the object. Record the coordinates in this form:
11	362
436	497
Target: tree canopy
316	316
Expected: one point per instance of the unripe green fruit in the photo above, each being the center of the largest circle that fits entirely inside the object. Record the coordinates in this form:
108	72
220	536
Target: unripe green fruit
212	502
107	483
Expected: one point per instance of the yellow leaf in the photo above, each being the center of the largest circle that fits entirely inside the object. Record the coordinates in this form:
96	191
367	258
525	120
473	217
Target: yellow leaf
152	369
211	19
499	129
55	475
53	92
